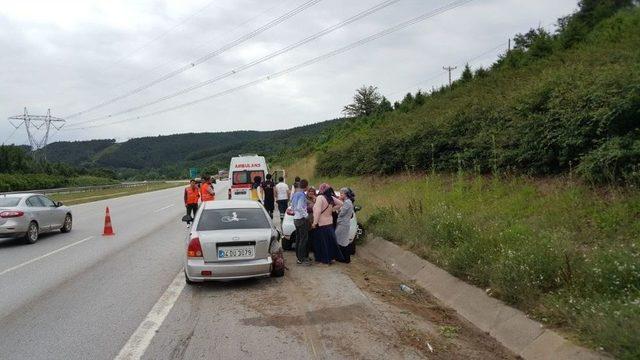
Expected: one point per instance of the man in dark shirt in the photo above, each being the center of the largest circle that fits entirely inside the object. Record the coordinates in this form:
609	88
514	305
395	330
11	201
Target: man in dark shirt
268	187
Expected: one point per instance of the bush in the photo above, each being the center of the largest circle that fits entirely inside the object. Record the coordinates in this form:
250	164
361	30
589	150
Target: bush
617	161
566	253
24	182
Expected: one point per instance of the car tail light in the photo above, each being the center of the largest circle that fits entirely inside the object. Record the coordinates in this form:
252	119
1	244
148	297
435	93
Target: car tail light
290	211
11	214
194	249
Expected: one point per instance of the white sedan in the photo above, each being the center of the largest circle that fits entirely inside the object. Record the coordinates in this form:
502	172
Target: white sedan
356	231
232	239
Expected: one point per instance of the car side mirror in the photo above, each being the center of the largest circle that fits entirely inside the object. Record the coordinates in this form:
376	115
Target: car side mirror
187	219
357	208
59	203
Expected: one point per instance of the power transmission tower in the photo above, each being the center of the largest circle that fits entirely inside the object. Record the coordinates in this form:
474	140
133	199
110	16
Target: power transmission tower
38	128
449	69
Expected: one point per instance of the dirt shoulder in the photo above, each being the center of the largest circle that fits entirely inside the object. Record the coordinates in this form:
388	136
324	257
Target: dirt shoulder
342	311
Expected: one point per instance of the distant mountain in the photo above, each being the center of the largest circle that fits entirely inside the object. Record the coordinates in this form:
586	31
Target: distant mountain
177	152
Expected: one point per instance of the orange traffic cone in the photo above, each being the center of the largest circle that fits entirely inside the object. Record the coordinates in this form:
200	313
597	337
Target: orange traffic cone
108	230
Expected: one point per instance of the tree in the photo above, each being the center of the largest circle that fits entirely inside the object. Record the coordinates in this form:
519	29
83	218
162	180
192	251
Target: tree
467	75
537	42
407	103
365	102
575	27
384	106
420	98
481	72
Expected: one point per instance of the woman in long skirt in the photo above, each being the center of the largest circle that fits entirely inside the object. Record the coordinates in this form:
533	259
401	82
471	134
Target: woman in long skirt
343	224
325	243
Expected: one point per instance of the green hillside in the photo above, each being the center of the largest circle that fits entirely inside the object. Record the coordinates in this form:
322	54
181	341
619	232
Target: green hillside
171	155
564	102
555	124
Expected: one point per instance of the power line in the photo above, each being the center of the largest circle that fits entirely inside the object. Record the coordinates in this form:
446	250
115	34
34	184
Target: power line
163	34
460	63
400	26
10	135
439	74
200	44
204	58
270	56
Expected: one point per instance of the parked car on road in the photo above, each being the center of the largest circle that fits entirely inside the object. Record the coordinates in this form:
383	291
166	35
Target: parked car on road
356	230
29	215
232	239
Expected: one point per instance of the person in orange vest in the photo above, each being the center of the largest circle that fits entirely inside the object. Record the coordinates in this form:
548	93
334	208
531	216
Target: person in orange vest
191	197
206	190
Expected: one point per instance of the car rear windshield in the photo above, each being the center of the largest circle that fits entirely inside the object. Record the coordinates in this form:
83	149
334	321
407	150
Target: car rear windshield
232	219
246	177
9	201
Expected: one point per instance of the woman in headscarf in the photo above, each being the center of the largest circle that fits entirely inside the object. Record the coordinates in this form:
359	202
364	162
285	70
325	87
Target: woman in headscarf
343	224
325	243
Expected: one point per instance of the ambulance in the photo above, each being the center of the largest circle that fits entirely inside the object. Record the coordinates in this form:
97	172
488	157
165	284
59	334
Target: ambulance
242	170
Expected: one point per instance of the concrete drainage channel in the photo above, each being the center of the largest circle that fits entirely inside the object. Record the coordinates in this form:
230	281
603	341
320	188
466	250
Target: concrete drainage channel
511	327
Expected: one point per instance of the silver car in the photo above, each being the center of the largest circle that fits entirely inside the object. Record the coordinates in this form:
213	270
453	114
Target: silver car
232	239
29	215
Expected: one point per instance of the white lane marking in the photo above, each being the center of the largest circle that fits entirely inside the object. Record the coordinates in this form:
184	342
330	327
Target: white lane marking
163	208
44	256
141	338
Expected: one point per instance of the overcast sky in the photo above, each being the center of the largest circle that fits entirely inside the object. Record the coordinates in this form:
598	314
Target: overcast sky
72	55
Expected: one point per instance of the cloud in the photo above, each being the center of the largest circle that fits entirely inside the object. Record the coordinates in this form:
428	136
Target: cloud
71	55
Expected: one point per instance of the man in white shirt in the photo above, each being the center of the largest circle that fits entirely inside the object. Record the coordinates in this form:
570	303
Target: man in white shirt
282	197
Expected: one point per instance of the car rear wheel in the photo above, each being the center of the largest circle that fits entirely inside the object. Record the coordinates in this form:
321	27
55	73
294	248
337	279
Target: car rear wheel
277	272
68	224
287	244
186	279
360	234
32	233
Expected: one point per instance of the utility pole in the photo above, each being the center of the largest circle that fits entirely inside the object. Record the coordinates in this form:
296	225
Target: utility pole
449	69
34	123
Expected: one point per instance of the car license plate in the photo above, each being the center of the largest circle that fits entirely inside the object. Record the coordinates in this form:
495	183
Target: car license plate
241	192
236	252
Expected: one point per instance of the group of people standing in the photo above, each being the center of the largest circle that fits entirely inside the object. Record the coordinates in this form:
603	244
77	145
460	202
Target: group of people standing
321	217
196	193
322	222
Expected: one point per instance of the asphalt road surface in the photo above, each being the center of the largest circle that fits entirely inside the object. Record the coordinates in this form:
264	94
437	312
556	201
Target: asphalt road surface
84	296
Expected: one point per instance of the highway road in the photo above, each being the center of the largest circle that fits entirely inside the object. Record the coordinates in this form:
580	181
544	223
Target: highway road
84	296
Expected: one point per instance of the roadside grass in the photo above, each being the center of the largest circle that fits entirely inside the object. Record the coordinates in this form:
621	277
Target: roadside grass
95	195
563	252
305	168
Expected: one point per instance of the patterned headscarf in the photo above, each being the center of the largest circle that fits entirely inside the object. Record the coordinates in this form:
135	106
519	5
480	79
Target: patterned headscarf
323	187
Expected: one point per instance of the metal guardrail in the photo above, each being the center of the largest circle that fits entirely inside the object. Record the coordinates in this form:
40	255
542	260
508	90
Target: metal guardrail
69	190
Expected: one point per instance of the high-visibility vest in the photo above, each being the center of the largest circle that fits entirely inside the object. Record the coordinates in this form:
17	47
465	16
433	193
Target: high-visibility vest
255	194
192	195
204	192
